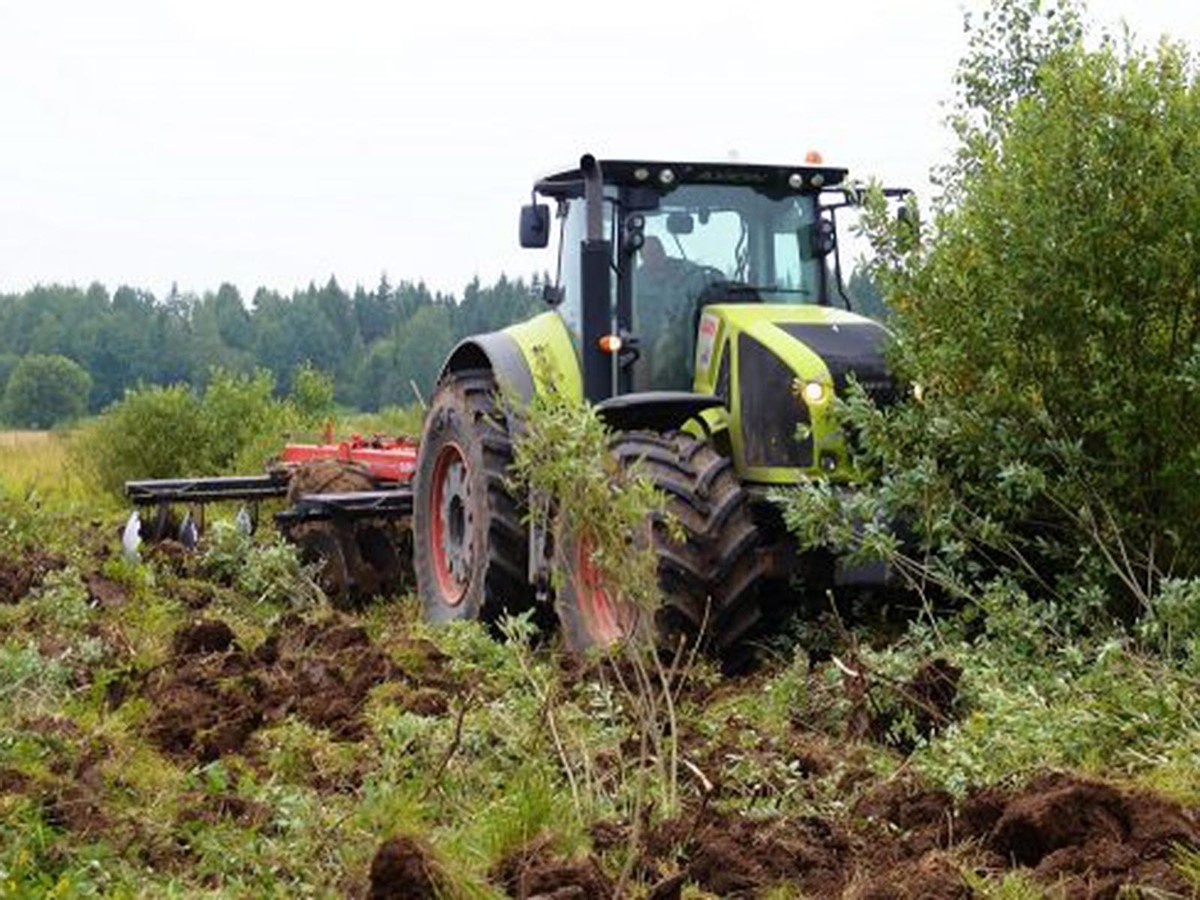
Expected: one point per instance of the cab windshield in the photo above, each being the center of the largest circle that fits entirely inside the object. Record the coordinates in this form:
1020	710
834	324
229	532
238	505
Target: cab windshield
708	244
714	235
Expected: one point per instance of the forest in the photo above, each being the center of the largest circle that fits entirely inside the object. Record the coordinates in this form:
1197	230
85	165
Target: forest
380	346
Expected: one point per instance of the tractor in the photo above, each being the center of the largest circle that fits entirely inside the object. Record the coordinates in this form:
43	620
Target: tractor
699	307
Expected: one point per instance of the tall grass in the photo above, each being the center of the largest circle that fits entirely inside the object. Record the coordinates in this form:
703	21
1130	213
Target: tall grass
36	464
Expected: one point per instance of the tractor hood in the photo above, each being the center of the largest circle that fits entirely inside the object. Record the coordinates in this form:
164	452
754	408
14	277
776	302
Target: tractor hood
778	367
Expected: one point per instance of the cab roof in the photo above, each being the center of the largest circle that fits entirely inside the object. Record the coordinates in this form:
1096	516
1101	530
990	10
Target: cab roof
665	176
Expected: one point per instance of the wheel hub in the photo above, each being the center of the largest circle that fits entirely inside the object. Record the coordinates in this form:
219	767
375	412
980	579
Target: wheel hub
606	618
457	521
452	524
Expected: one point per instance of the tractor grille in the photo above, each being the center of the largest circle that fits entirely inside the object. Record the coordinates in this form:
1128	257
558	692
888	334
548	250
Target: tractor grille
851	348
771	412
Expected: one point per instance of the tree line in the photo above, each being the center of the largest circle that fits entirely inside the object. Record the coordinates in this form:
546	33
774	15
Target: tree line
380	347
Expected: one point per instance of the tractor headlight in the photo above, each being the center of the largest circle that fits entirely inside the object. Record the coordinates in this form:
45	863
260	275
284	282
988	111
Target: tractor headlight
814	392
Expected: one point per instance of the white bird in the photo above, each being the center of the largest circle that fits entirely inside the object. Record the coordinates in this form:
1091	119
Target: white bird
243	521
131	538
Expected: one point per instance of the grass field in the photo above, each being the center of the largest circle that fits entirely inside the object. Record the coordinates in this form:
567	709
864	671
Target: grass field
38	463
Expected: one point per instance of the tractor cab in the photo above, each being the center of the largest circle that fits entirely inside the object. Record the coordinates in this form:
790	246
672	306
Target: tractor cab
675	238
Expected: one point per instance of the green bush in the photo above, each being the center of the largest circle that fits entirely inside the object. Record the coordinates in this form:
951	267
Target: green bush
165	432
42	391
1051	317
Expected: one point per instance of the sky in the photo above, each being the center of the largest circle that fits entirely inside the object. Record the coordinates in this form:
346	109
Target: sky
277	142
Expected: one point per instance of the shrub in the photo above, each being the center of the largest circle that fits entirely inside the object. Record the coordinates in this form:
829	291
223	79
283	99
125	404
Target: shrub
1052	319
164	432
42	391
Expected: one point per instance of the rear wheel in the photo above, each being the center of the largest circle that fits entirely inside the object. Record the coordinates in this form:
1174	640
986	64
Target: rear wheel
470	548
710	583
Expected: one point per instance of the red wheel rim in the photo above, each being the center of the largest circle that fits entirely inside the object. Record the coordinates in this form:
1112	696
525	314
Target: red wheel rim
606	620
450	524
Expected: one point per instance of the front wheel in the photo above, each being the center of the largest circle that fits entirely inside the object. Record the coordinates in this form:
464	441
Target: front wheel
710	583
470	549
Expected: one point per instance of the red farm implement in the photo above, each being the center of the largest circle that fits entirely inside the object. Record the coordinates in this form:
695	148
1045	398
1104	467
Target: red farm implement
349	505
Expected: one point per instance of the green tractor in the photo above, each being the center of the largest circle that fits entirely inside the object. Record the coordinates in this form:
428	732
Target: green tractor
699	308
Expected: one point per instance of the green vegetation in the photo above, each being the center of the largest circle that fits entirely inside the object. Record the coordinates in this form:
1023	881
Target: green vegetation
376	345
234	425
1049	318
1045	470
41	391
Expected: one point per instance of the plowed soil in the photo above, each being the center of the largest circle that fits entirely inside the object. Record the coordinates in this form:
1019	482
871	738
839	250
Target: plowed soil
212	695
1088	839
534	870
20	576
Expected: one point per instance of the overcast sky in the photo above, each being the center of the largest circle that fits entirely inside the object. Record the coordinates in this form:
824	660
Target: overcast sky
272	143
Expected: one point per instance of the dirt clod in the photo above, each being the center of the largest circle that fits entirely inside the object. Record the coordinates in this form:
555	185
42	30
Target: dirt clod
13	781
732	856
933	876
1088	839
1094	837
932	692
20	576
203	637
536	871
104	591
404	869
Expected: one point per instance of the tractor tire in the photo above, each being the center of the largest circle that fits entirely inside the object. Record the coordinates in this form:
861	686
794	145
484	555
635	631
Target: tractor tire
470	548
711	583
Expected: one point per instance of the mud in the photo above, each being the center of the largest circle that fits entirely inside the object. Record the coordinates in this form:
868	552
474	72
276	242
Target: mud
536	871
1094	837
211	696
1086	839
20	576
404	868
105	592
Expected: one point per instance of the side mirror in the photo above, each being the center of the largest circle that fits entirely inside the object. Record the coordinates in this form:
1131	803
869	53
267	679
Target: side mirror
535	225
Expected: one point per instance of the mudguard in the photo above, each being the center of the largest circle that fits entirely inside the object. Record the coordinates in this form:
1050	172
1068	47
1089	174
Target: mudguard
654	410
499	352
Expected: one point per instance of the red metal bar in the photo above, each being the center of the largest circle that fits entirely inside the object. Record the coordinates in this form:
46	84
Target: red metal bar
387	459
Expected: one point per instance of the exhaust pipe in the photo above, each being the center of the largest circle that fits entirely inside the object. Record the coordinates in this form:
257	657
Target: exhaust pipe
593	195
595	278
